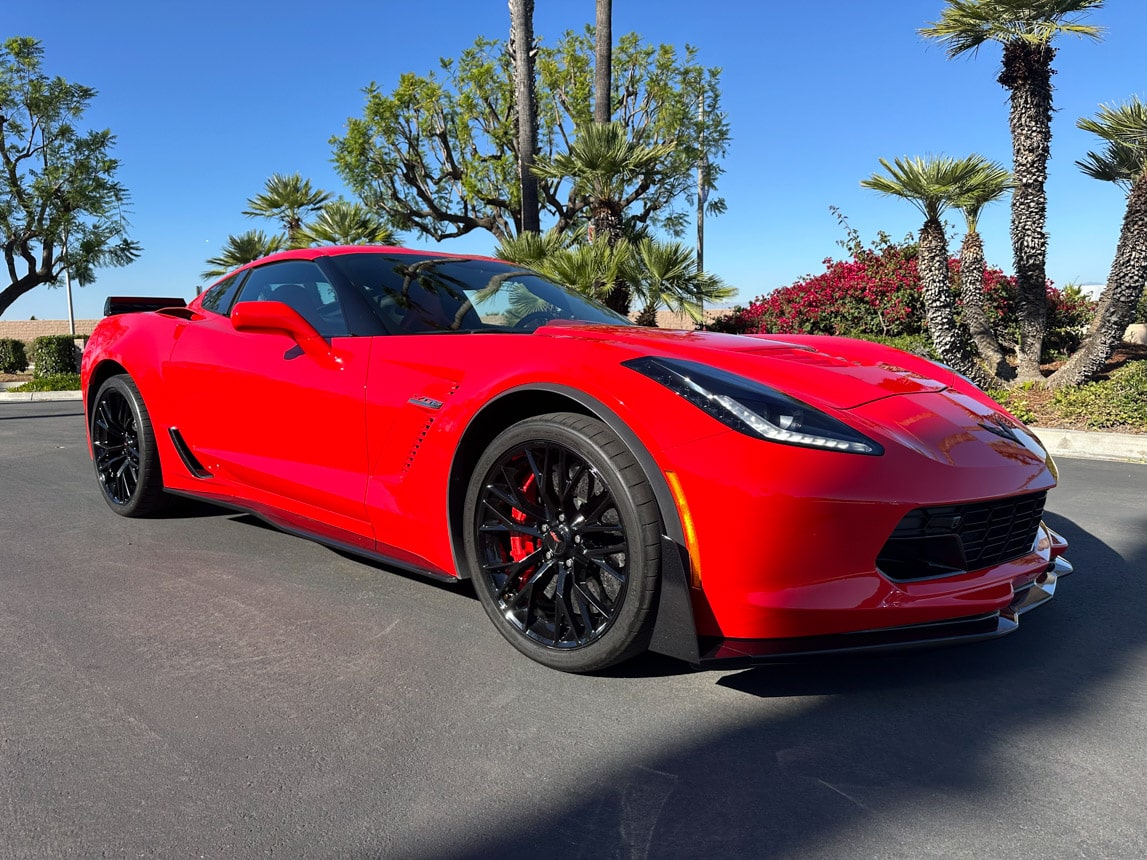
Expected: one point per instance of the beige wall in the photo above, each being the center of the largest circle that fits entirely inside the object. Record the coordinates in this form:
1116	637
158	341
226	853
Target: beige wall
29	330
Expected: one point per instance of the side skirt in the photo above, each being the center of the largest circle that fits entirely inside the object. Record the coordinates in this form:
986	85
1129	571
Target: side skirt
325	540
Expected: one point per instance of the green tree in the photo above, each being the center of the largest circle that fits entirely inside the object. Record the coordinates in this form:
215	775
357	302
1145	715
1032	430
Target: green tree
1123	129
439	153
1025	29
933	185
240	250
609	172
61	206
342	222
665	274
988	184
659	273
288	199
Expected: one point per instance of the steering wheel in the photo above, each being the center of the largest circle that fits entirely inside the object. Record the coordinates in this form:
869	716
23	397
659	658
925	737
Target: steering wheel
536	318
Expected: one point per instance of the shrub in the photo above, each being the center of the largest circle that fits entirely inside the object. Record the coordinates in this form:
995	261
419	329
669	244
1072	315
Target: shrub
1113	402
54	354
57	382
13	358
877	296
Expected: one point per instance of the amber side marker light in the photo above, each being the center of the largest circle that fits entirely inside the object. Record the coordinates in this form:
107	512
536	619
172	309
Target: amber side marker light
689	527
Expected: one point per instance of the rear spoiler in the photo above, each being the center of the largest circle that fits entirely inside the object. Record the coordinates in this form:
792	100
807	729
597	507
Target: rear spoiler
137	304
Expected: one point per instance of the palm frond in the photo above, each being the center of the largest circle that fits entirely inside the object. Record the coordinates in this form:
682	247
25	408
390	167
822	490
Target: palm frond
965	25
239	250
931	184
530	248
342	222
988	182
602	160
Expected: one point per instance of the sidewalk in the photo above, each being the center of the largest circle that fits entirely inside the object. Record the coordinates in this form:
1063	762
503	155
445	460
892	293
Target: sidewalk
1061	443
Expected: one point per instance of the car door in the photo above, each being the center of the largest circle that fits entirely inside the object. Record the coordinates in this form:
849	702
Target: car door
280	428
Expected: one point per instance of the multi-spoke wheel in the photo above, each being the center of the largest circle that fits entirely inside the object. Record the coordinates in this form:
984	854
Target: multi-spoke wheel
123	448
563	542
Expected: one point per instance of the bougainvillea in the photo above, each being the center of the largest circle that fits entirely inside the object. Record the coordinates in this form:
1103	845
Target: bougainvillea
876	294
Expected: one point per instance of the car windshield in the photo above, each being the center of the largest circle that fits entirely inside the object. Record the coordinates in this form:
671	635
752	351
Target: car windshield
415	294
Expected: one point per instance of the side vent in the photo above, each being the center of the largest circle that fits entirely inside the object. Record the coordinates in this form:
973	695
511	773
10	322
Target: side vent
193	465
426	403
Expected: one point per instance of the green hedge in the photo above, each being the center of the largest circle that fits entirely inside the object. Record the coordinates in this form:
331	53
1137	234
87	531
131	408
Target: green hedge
13	358
54	354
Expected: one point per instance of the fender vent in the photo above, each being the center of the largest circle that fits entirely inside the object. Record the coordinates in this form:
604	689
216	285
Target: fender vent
189	460
425	429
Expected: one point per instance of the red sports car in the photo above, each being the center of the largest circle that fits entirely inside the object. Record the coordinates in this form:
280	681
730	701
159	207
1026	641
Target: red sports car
608	488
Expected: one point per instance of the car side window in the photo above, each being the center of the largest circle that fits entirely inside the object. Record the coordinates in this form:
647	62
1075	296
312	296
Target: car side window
301	285
218	298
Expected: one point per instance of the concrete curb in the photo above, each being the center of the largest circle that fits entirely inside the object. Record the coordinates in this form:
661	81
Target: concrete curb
38	396
1061	443
1086	445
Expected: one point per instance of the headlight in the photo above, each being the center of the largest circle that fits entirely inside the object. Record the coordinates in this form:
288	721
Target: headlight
752	408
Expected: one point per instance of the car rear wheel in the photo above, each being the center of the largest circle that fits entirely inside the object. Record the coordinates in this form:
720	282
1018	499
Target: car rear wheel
124	450
563	539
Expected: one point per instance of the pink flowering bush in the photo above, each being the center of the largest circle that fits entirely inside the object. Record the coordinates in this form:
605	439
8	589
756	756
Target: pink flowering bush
877	295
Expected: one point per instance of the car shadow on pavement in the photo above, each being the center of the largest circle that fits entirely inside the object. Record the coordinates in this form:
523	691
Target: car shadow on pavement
821	754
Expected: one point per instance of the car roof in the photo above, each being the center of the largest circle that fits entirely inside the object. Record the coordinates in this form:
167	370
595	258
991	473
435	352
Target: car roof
338	250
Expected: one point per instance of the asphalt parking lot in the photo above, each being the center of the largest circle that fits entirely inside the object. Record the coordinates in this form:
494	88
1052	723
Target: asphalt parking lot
202	685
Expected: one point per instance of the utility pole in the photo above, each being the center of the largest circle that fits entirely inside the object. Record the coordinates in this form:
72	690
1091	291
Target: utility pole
68	287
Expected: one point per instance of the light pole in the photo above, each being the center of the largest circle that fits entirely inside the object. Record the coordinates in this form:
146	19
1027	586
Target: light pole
68	287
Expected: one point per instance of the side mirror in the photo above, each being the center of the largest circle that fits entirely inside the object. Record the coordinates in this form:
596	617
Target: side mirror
278	318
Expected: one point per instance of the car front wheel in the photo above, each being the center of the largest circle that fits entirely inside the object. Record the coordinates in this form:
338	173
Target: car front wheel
563	541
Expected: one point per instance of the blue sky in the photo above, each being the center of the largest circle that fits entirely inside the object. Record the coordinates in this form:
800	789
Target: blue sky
208	99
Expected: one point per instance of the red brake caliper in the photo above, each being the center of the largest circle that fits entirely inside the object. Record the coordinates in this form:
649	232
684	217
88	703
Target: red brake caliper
521	545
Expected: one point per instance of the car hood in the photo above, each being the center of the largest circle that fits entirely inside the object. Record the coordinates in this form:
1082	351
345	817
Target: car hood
835	372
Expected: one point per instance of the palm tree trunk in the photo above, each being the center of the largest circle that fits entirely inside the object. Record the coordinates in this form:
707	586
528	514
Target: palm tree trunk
972	297
603	62
1120	297
606	225
522	52
1027	75
935	284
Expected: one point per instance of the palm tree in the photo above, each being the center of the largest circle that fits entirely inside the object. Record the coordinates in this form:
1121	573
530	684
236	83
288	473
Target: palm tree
1123	128
342	222
933	185
522	52
594	269
990	183
533	249
288	200
665	274
610	172
239	250
1026	29
603	62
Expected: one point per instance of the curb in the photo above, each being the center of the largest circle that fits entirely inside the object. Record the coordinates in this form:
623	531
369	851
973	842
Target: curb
38	396
1126	447
1082	444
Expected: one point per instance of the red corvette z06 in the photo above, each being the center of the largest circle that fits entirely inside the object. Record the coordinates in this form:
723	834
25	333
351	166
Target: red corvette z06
608	488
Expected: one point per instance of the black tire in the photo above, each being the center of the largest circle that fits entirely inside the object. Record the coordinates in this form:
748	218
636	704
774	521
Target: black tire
563	541
124	450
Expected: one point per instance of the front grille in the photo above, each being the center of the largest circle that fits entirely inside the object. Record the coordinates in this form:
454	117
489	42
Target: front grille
951	539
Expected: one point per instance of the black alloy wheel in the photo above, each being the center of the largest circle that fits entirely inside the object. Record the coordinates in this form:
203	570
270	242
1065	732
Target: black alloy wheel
563	540
124	450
